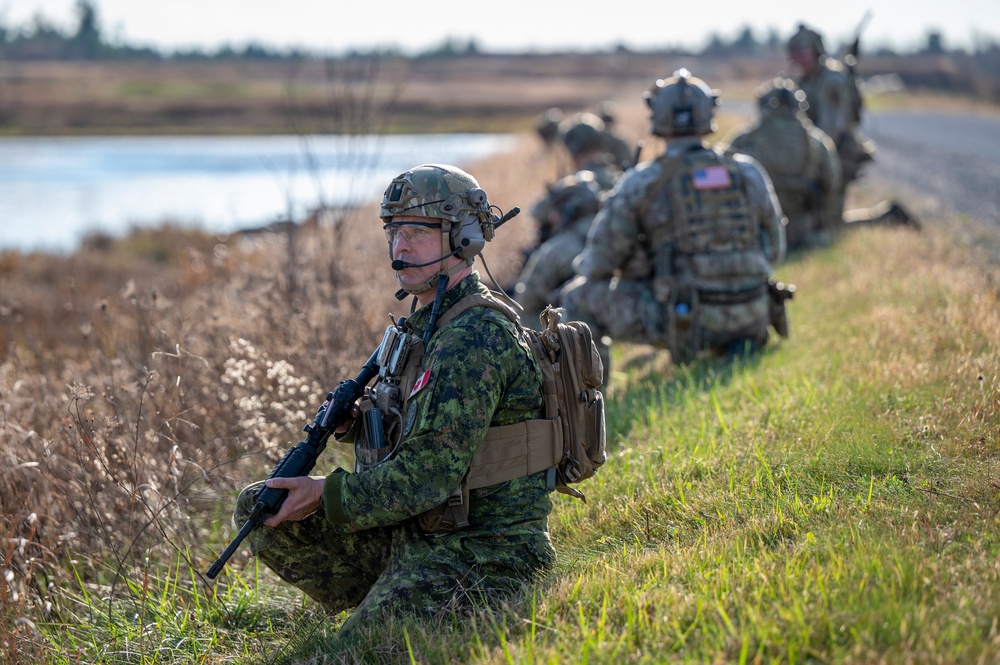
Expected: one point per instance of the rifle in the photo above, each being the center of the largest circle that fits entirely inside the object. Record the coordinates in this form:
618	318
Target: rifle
850	63
300	458
851	55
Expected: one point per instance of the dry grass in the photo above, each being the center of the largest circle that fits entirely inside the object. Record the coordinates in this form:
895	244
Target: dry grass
143	380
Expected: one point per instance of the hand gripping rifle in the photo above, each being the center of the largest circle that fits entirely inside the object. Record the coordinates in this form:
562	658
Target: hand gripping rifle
300	458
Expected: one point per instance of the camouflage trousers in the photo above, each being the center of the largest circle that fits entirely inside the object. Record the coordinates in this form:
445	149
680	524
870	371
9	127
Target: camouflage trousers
396	570
627	311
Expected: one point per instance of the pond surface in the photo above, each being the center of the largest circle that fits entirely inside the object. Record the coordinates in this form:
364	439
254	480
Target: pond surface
55	190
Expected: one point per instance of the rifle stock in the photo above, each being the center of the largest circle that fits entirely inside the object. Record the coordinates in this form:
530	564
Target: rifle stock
301	458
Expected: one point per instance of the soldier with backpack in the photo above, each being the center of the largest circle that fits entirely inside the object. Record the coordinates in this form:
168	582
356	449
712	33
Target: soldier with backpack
567	209
458	443
834	104
834	100
680	254
799	158
586	141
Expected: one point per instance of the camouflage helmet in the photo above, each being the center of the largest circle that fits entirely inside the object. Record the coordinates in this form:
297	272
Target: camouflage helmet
583	133
682	105
607	110
804	38
781	95
572	196
547	124
447	193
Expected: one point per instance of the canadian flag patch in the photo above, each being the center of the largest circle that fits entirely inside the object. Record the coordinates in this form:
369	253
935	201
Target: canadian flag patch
421	383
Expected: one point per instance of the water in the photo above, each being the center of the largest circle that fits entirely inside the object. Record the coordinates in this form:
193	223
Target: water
53	191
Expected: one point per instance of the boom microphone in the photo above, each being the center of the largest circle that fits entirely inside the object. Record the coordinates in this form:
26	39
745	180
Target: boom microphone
511	214
400	264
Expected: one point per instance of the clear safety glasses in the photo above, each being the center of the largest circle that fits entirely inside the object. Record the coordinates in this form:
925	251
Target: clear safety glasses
411	232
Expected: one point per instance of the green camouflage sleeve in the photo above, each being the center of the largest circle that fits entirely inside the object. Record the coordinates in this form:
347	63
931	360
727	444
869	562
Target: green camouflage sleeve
474	362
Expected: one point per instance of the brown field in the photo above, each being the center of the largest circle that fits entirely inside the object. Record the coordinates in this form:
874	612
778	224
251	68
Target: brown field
477	93
483	93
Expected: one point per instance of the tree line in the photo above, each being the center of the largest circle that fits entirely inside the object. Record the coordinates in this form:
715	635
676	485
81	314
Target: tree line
41	39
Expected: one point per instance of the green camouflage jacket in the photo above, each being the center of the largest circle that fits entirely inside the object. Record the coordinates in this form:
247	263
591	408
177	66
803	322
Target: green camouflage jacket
479	372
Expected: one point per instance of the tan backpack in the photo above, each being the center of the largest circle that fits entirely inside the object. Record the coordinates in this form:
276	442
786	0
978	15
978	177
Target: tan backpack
570	437
572	373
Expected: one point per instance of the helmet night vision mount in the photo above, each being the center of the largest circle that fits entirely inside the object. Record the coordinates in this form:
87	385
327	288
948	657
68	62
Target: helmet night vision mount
682	105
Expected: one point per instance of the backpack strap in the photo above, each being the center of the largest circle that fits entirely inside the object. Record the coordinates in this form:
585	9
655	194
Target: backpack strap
507	451
670	165
524	448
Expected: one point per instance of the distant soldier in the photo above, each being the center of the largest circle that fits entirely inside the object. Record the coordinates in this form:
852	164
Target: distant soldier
680	254
615	144
834	105
834	100
585	140
567	209
547	125
800	159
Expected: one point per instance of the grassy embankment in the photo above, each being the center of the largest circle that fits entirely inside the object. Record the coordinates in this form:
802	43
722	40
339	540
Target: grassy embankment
835	499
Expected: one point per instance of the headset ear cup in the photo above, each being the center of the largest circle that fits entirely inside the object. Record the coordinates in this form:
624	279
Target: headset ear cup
467	238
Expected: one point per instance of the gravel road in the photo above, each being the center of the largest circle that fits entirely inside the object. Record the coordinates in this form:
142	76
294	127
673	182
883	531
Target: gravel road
949	160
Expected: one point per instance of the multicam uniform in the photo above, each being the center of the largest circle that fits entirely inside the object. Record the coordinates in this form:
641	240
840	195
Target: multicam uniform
831	108
366	548
606	171
549	267
569	206
804	169
680	254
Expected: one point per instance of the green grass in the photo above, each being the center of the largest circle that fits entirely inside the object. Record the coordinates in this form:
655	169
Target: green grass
834	499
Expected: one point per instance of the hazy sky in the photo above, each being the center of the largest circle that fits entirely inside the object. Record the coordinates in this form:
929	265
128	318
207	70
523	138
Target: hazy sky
332	26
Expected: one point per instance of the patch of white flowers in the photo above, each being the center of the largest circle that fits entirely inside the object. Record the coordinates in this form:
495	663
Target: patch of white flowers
273	401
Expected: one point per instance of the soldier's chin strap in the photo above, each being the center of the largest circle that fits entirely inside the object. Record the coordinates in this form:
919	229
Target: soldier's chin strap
436	308
414	289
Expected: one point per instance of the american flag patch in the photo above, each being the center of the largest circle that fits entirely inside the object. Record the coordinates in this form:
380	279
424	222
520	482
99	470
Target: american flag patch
711	177
421	382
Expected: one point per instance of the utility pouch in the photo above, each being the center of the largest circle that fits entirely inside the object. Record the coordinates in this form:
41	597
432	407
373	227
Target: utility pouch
370	445
778	293
778	317
450	516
